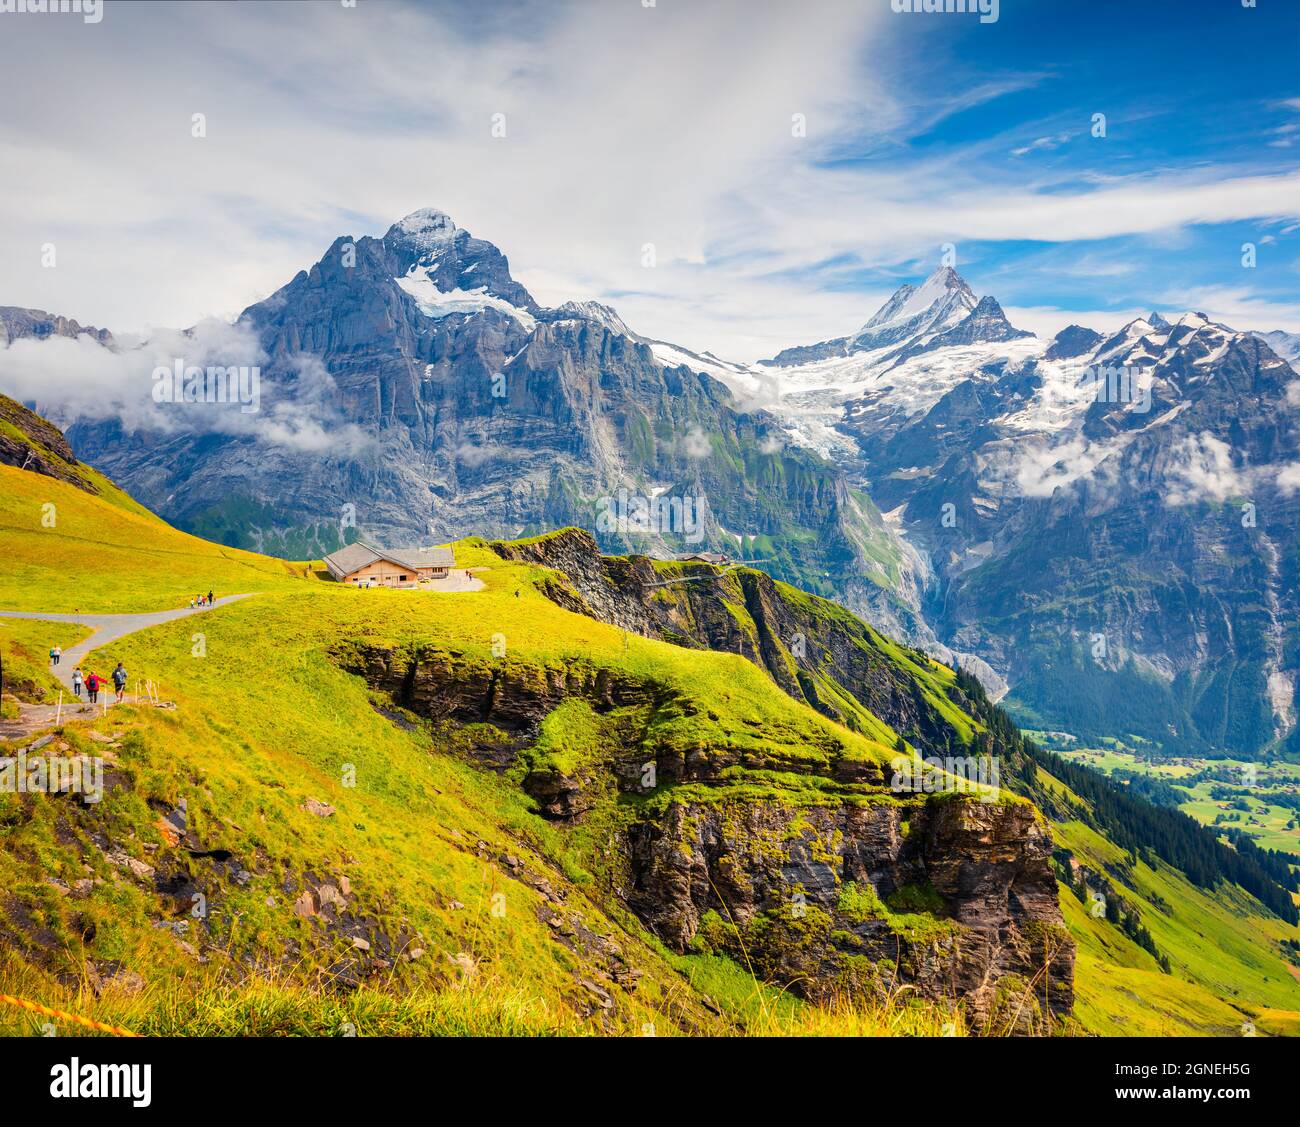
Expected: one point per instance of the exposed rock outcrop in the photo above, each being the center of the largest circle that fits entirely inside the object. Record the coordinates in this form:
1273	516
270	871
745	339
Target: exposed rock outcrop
38	447
953	897
836	888
810	647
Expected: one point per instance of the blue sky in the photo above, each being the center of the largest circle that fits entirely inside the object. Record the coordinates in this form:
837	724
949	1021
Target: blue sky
1201	88
669	126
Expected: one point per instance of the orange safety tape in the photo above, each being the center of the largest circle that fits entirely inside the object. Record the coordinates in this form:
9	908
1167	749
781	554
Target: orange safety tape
63	1015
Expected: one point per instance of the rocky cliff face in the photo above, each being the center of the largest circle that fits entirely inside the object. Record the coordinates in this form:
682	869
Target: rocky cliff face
985	324
36	445
813	649
845	889
462	407
953	898
17	323
822	872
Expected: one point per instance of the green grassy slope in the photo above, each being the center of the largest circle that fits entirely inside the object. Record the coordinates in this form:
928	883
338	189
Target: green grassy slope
1227	969
429	854
66	550
1224	949
25	644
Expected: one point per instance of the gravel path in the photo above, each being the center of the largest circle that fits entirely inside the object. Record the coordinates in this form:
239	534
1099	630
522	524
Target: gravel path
107	628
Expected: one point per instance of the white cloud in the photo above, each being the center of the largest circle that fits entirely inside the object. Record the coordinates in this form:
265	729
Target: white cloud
474	456
1288	479
1048	143
696	445
624	126
1201	469
70	379
1042	468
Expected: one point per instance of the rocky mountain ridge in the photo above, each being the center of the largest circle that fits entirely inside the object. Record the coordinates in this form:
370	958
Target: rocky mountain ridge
427	396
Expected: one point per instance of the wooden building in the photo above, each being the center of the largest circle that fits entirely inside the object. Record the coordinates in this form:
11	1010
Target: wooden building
367	566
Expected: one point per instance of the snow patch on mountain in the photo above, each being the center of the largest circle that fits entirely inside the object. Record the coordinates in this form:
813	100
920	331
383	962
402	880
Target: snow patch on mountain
596	313
1286	345
436	303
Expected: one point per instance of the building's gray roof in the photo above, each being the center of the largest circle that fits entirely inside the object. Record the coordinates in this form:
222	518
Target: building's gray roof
348	559
355	556
420	557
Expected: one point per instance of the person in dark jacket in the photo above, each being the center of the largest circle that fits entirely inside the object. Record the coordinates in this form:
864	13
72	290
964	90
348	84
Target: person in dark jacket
119	681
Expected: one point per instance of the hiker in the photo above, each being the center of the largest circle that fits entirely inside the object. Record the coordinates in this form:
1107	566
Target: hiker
209	598
77	681
192	602
92	687
55	654
119	681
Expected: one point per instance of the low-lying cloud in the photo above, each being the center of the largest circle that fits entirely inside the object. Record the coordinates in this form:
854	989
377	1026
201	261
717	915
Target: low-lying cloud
72	380
1202	469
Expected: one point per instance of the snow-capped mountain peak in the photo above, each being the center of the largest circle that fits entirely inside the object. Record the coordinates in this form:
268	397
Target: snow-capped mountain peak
594	311
424	229
1286	345
922	342
938	303
435	257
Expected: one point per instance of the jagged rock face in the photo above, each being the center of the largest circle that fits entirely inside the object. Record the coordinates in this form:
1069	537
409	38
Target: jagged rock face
1073	340
474	411
1127	559
17	323
939	304
743	612
988	866
1286	345
860	891
452	259
986	323
512	697
40	449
